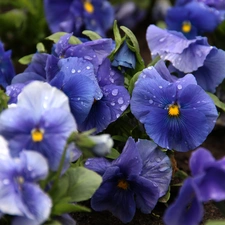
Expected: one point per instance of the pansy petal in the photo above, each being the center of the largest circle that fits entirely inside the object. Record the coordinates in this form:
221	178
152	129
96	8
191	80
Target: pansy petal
80	91
13	91
146	193
99	165
212	73
63	44
156	165
18	220
212	184
51	67
99	117
108	75
187	135
48	97
74	66
27	76
199	161
129	160
32	194
38	64
118	201
93	51
187	209
117	99
36	166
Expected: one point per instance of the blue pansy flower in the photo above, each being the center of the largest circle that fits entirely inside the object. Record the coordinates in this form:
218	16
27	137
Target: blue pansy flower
206	184
96	91
177	113
19	191
78	15
6	67
136	179
46	126
192	19
124	57
194	56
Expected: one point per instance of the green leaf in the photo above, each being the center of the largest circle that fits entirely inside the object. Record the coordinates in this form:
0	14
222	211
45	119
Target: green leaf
132	82
14	18
119	138
53	222
215	222
131	36
91	34
62	208
114	154
25	60
82	183
56	36
165	198
3	100
216	101
181	174
40	47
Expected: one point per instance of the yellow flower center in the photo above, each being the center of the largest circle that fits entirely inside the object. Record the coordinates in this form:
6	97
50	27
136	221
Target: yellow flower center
123	184
186	27
88	7
174	110
37	135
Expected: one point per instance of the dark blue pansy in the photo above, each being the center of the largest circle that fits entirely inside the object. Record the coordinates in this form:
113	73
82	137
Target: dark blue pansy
46	126
124	57
6	67
136	179
112	104
206	184
192	19
194	56
19	190
76	15
181	109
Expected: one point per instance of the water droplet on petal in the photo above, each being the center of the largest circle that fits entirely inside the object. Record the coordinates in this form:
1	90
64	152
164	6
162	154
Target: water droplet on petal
179	86
122	108
87	163
112	103
117	115
161	39
73	71
120	100
160	87
78	71
88	67
150	101
115	92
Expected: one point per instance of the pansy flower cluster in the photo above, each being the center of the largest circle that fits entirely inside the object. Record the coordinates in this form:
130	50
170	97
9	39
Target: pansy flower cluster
87	120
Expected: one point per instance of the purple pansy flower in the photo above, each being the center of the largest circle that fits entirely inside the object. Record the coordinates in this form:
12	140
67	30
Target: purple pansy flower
6	67
19	192
177	113
136	179
78	15
41	122
194	56
193	19
206	184
96	91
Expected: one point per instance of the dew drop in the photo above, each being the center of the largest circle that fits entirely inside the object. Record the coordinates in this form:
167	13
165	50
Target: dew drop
78	71
144	75
87	57
115	92
87	163
160	87
88	67
179	86
150	67
150	101
117	115
123	107
73	71
78	98
112	103
120	100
